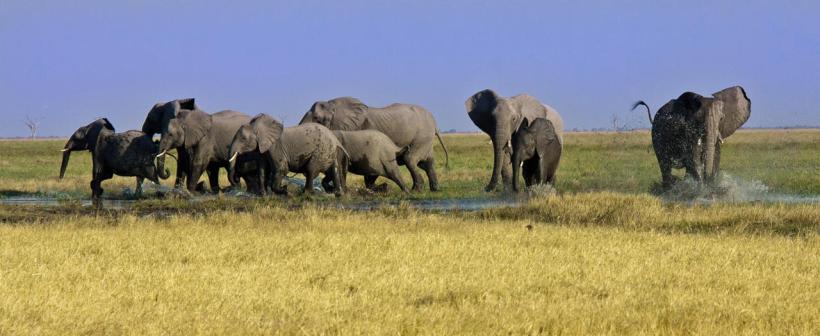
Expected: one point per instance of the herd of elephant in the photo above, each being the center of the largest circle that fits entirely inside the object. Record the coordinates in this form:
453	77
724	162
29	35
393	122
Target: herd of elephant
344	135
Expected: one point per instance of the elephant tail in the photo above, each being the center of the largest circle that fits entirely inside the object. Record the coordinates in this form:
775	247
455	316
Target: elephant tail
639	103
446	155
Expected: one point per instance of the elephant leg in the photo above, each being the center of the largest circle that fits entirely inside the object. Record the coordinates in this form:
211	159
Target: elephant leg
337	180
183	169
529	172
667	179
138	189
429	167
692	169
370	181
412	166
310	175
213	179
392	173
193	177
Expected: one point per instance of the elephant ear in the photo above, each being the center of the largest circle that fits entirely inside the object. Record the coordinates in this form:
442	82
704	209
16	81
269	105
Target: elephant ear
186	104
106	124
196	125
268	131
480	107
348	113
737	108
546	134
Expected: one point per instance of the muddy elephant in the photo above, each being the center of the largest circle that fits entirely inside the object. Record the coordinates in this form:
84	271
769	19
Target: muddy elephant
307	149
500	117
205	139
411	127
537	151
130	153
687	132
372	154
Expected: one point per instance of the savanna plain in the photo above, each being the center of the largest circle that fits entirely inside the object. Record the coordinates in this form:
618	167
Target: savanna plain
603	254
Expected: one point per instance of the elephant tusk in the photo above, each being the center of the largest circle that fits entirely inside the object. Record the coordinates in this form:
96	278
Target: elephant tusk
64	150
161	154
233	158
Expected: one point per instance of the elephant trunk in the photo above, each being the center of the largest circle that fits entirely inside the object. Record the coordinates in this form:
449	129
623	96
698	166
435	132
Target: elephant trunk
712	124
501	142
162	171
232	175
516	169
64	164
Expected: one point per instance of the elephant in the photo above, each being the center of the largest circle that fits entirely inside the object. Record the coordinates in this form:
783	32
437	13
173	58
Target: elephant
411	127
500	117
205	139
687	132
372	154
308	149
156	122
537	150
129	153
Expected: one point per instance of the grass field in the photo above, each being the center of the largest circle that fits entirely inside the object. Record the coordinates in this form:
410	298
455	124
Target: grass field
603	256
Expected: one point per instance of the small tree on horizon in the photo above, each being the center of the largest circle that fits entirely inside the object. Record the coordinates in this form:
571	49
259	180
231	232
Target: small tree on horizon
33	125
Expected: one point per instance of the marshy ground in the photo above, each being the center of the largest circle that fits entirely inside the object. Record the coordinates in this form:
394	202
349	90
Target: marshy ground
601	255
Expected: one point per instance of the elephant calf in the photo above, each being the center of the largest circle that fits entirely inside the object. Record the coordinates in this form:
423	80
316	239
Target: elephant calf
537	147
371	154
307	149
130	153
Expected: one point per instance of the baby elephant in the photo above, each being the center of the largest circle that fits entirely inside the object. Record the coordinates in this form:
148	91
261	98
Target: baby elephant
371	154
539	148
131	153
307	149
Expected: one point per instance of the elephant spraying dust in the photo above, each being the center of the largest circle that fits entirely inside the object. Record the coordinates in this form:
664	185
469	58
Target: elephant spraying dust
130	153
410	127
687	132
500	117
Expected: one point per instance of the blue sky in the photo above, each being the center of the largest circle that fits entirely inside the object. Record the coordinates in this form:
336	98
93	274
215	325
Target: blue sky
68	62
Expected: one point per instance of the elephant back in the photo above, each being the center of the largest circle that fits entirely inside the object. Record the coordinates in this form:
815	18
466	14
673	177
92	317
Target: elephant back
532	109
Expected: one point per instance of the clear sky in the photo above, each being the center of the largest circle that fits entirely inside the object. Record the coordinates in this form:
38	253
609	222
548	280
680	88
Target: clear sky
67	62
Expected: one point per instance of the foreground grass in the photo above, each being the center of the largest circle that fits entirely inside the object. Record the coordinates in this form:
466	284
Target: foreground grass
784	160
579	268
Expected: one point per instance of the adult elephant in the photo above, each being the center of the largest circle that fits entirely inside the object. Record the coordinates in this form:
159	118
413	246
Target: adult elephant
687	132
411	127
156	122
205	139
500	117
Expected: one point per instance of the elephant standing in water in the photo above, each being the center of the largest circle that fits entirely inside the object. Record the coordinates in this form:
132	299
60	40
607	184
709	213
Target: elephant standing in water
307	149
500	117
687	132
372	154
205	139
130	153
537	150
411	127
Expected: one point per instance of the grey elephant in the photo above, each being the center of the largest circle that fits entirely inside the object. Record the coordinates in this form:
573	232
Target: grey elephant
130	153
371	154
537	151
411	127
687	132
500	117
307	149
205	140
156	122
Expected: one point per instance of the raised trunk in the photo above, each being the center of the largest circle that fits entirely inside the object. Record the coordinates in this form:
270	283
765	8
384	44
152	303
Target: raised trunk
712	135
64	164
